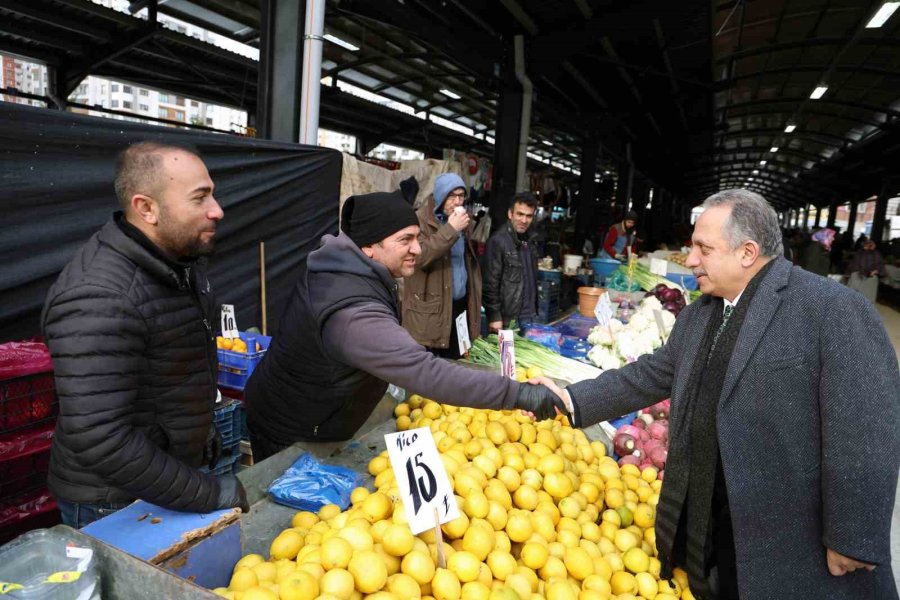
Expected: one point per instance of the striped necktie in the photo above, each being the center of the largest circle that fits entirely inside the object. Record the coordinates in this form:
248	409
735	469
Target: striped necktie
725	316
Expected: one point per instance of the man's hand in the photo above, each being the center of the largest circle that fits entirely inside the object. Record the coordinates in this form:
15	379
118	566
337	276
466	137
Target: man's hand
495	326
567	406
838	564
459	220
212	452
232	494
539	400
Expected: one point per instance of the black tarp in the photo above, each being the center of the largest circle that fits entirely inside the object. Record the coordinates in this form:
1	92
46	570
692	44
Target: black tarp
56	190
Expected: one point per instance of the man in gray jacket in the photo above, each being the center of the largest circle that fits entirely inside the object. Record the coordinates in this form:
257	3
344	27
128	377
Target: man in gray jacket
784	427
340	340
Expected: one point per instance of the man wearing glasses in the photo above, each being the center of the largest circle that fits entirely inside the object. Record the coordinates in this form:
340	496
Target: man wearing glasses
447	279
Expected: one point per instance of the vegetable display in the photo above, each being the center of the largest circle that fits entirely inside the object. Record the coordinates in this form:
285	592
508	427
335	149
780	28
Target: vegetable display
619	344
486	351
645	442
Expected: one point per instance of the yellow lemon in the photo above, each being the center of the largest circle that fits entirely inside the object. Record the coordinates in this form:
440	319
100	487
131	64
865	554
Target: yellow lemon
259	593
647	586
403	586
558	485
266	572
338	583
560	589
445	585
475	590
335	553
329	511
360	540
625	540
636	560
286	545
243	579
623	582
368	570
554	567
298	585
465	565
579	563
534	555
597	583
479	540
304	519
501	564
249	561
456	528
518	527
419	566
551	463
397	540
377	506
644	516
476	504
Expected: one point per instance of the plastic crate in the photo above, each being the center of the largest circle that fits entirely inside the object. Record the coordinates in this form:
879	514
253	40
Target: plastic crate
555	276
26	512
227	422
27	401
226	465
235	367
24	460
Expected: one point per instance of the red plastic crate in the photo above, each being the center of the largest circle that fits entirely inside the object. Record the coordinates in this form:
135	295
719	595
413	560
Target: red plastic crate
32	510
27	401
24	460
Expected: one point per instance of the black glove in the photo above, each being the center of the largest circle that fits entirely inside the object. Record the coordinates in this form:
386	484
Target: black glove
540	400
212	451
232	494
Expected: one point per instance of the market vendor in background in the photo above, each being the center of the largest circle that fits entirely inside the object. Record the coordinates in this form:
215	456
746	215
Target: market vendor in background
619	237
510	267
134	357
447	279
340	340
865	269
779	379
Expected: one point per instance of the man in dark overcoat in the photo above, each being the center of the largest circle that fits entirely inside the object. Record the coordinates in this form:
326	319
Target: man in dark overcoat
784	426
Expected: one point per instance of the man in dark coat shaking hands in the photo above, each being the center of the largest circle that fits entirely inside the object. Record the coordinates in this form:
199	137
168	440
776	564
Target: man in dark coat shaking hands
784	426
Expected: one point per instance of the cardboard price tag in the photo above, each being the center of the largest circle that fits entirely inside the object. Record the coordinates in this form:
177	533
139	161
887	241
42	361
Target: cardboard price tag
659	267
507	353
603	310
229	322
421	478
462	332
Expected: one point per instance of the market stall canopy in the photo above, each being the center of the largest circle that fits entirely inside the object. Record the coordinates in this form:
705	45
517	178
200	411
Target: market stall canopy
700	91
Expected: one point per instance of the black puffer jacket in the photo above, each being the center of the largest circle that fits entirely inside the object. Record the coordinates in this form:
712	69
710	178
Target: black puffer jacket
503	276
135	363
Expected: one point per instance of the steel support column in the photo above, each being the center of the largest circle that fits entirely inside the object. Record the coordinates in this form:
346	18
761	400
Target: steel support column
818	220
878	220
851	222
832	214
587	193
280	66
506	141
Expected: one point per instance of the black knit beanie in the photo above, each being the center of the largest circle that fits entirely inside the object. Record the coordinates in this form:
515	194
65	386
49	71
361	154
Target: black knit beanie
369	218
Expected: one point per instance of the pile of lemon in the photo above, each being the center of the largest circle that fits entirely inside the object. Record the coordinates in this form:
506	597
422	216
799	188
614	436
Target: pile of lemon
544	513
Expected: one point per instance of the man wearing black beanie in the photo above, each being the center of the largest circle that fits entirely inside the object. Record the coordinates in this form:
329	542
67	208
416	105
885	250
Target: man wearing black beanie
340	341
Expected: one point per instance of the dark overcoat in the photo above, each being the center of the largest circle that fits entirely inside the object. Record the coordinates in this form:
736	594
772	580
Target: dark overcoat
808	427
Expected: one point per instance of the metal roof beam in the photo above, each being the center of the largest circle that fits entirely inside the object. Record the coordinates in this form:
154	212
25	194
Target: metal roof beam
821	102
889	73
820	113
826	139
807	43
55	20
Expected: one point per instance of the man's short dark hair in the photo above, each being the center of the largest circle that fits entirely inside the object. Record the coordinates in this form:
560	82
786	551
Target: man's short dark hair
139	166
526	198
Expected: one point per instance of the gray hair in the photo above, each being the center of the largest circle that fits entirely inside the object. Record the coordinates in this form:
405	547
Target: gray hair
752	218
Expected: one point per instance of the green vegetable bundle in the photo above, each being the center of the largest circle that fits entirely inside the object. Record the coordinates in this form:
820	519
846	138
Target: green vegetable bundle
486	351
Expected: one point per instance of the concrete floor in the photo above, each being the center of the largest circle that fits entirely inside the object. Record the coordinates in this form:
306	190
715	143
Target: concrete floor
891	320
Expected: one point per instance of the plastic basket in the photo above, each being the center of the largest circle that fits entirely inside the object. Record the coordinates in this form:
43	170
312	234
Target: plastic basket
226	465
555	276
235	367
27	401
228	422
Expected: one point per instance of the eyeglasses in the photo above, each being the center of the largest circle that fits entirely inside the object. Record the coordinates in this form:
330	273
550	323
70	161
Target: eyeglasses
460	195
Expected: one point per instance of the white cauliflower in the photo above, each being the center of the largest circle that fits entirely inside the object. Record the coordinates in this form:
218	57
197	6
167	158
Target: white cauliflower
651	303
604	358
668	320
616	326
599	336
640	321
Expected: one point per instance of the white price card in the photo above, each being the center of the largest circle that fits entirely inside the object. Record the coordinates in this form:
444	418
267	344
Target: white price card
659	267
422	479
657	314
462	332
229	322
603	310
506	337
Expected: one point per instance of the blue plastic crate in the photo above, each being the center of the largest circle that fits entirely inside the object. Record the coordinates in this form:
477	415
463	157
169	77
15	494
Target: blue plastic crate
227	462
235	367
227	421
242	415
549	275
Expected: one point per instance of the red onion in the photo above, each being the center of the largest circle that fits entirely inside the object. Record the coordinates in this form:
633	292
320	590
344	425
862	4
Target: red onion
625	443
659	456
660	410
661	475
659	430
639	423
646	418
629	460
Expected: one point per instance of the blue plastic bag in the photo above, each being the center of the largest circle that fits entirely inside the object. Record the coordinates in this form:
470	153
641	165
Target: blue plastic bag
310	485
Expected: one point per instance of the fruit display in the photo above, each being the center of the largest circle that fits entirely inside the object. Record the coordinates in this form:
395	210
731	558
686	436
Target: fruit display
678	258
235	345
544	513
